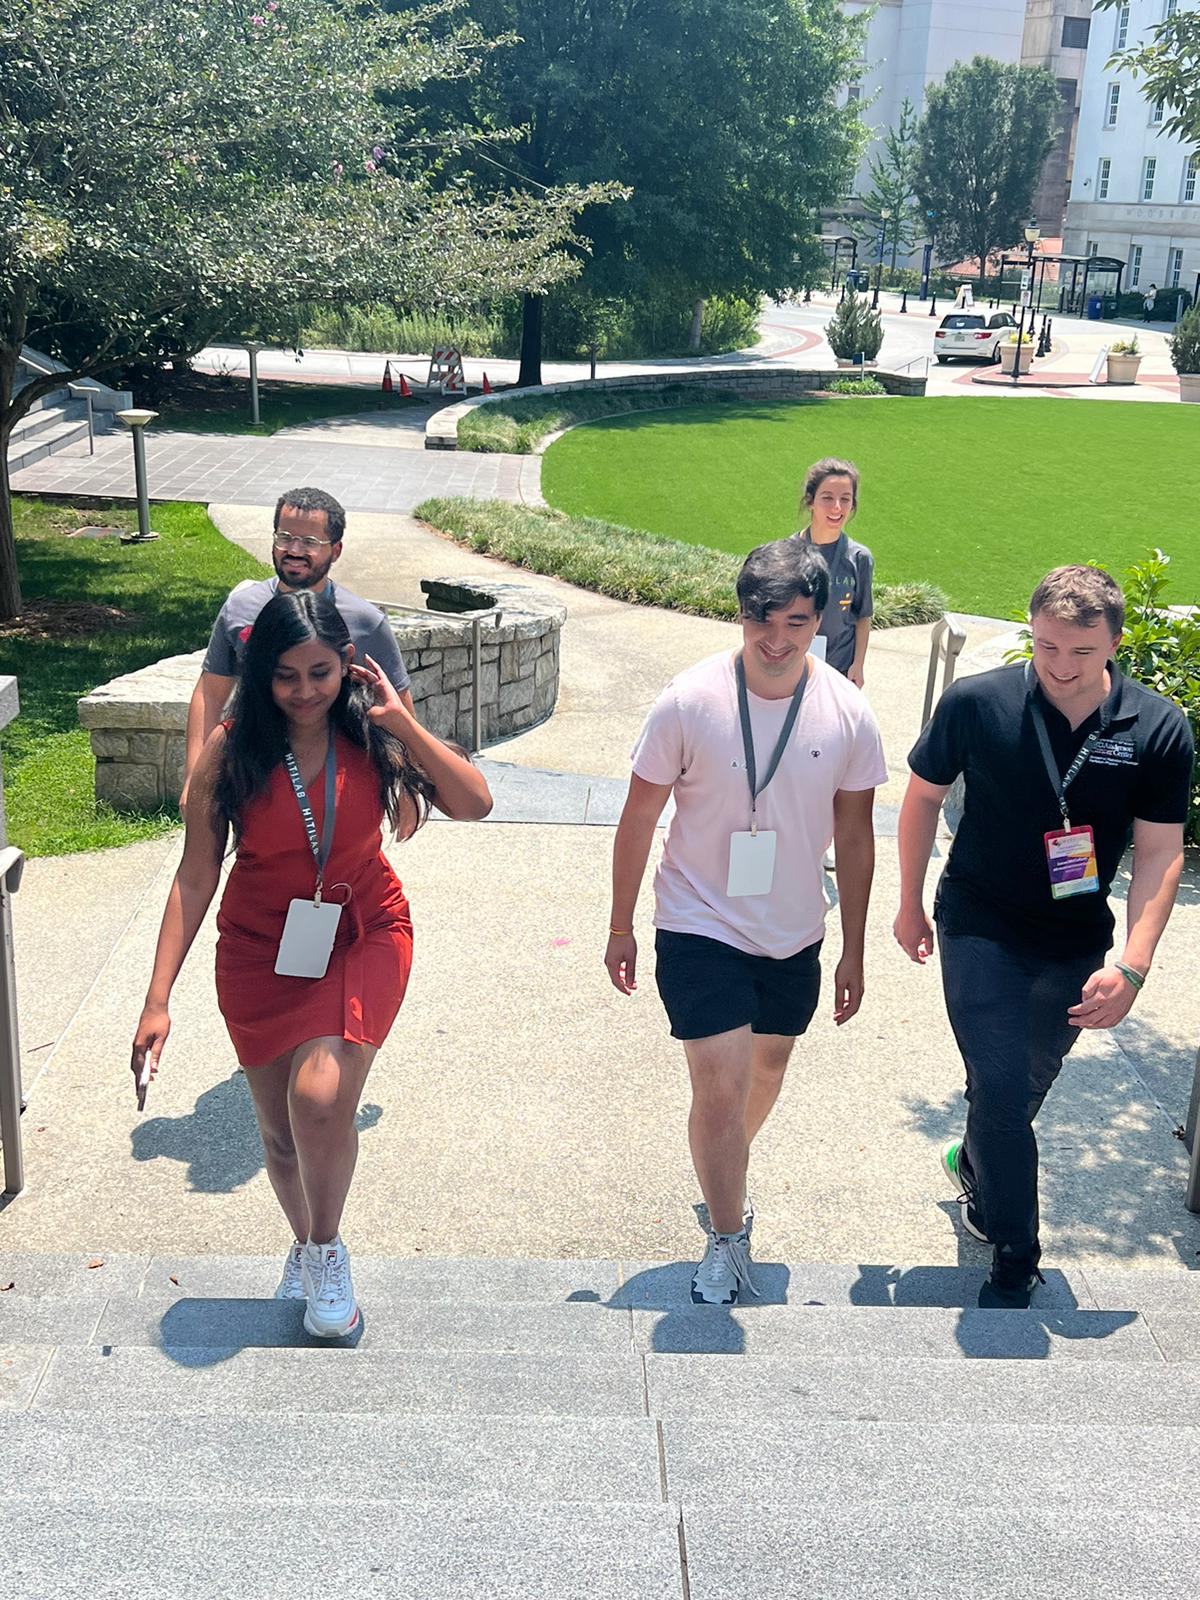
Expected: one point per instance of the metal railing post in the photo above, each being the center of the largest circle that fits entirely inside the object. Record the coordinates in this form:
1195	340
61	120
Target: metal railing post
476	684
12	1102
948	637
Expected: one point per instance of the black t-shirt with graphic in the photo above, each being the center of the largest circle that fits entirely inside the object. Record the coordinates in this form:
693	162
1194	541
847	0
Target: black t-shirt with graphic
996	883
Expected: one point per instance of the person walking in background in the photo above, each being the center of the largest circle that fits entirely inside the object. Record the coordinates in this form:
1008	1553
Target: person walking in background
309	529
315	941
1062	758
768	753
831	496
1149	303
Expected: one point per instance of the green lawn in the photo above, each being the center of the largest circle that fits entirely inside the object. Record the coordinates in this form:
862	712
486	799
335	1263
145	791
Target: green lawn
978	495
198	402
165	596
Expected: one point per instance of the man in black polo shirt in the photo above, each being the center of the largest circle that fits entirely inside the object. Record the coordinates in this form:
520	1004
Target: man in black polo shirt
1061	757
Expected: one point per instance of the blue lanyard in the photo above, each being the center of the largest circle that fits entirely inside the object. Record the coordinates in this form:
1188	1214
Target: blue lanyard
320	850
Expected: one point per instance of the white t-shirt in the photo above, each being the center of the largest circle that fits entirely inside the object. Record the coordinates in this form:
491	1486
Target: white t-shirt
692	739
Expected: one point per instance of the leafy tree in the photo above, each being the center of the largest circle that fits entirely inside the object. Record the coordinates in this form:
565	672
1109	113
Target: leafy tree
1169	63
893	175
718	115
985	135
189	168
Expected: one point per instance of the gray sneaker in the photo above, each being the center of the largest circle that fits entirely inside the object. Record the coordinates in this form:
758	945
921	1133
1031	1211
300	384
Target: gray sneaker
724	1272
291	1285
951	1151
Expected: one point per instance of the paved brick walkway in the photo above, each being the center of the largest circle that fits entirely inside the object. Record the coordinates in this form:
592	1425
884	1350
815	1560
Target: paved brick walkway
253	471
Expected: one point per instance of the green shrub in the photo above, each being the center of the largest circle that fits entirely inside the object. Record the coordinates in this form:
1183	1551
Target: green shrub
628	564
855	330
655	324
1185	342
381	327
855	386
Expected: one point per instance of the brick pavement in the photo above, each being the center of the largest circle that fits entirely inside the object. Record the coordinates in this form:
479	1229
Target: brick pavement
254	471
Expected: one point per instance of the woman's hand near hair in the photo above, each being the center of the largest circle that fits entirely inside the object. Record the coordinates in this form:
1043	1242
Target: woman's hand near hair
459	788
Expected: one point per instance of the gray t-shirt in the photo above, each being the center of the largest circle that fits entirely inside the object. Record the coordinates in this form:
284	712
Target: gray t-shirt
369	630
851	566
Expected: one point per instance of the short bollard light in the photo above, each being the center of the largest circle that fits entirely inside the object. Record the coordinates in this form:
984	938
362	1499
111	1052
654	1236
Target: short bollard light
252	348
136	421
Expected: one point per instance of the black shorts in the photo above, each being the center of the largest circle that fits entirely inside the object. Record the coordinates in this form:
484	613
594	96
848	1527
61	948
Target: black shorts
708	987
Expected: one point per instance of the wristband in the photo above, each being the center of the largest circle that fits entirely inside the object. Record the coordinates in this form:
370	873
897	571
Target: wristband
1131	974
621	933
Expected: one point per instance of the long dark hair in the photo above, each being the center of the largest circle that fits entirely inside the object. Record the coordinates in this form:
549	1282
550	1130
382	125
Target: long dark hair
257	736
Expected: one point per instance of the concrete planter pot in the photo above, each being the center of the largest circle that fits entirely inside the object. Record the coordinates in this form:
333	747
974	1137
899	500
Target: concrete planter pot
1123	368
856	366
1008	354
1189	386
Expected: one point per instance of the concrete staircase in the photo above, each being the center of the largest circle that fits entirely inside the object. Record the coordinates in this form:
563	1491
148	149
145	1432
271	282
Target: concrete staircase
551	1430
59	419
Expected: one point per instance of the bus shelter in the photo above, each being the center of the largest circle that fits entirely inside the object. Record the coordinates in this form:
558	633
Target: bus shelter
842	250
1080	278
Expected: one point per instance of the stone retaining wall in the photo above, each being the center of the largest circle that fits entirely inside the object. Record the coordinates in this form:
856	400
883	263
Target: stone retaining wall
760	382
137	723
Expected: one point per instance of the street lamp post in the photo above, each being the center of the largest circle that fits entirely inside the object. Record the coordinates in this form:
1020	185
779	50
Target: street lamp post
136	421
1032	235
884	219
253	348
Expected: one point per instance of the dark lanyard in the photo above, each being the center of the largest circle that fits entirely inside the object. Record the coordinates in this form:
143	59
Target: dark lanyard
1060	783
320	851
789	723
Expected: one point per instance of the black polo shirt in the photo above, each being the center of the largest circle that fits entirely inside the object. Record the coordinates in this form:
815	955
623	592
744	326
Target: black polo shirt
996	882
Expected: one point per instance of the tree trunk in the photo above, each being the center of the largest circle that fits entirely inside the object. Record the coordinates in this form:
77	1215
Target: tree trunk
697	325
10	583
532	308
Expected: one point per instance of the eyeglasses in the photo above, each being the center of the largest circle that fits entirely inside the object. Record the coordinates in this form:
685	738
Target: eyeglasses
298	541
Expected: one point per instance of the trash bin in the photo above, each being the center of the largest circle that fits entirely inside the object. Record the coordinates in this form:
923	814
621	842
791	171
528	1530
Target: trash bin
1110	306
1095	303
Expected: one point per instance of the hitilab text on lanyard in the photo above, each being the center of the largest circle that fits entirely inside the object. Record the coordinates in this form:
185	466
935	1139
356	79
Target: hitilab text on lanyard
311	925
1070	852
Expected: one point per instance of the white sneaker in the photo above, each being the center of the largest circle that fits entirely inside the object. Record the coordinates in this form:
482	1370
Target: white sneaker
291	1285
747	1216
332	1309
719	1278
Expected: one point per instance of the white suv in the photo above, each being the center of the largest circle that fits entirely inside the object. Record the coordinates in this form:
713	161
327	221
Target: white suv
972	336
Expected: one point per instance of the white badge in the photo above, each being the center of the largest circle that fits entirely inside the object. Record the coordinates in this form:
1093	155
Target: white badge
308	936
751	863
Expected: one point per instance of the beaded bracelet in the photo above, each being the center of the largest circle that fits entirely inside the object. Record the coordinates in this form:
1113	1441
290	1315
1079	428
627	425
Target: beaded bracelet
1136	978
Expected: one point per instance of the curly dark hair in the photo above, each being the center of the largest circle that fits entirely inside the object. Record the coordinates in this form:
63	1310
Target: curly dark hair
257	734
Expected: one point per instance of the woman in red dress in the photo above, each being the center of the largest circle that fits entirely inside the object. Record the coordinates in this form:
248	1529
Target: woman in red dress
317	751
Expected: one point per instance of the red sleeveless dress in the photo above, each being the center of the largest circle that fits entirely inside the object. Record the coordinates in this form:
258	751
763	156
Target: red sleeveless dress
360	994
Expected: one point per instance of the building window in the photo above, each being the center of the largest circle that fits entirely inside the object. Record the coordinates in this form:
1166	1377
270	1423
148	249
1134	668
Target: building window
1157	113
1122	38
1093	249
1189	179
853	94
1075	33
1135	266
1114	101
1171	8
1148	167
1102	178
1175	269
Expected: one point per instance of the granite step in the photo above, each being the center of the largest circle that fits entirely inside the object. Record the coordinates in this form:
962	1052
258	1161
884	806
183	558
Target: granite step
326	1460
463	1550
750	1548
57	435
945	1394
243	1381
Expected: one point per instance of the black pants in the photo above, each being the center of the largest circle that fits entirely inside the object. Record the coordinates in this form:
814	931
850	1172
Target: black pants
1008	1009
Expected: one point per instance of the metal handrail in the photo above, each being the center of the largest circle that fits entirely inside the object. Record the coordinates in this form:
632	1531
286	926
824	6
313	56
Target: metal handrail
476	620
945	642
78	389
12	1101
906	364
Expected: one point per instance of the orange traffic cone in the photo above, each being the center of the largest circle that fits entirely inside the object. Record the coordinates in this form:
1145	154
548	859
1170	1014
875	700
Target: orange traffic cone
405	391
487	388
387	385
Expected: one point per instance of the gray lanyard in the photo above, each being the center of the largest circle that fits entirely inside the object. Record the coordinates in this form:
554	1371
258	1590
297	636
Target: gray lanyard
320	851
1060	783
789	723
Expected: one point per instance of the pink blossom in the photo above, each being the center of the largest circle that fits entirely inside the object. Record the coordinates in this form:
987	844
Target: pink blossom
370	166
272	5
378	152
258	22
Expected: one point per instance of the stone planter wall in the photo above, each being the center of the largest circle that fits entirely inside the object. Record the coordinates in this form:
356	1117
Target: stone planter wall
137	723
761	382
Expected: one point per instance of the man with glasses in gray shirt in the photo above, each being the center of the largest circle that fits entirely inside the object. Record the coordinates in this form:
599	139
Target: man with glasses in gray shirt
309	528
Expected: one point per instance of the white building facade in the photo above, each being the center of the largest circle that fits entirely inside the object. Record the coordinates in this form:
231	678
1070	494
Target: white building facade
1135	193
913	43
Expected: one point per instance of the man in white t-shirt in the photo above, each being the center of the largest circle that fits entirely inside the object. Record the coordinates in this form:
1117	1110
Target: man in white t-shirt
739	906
